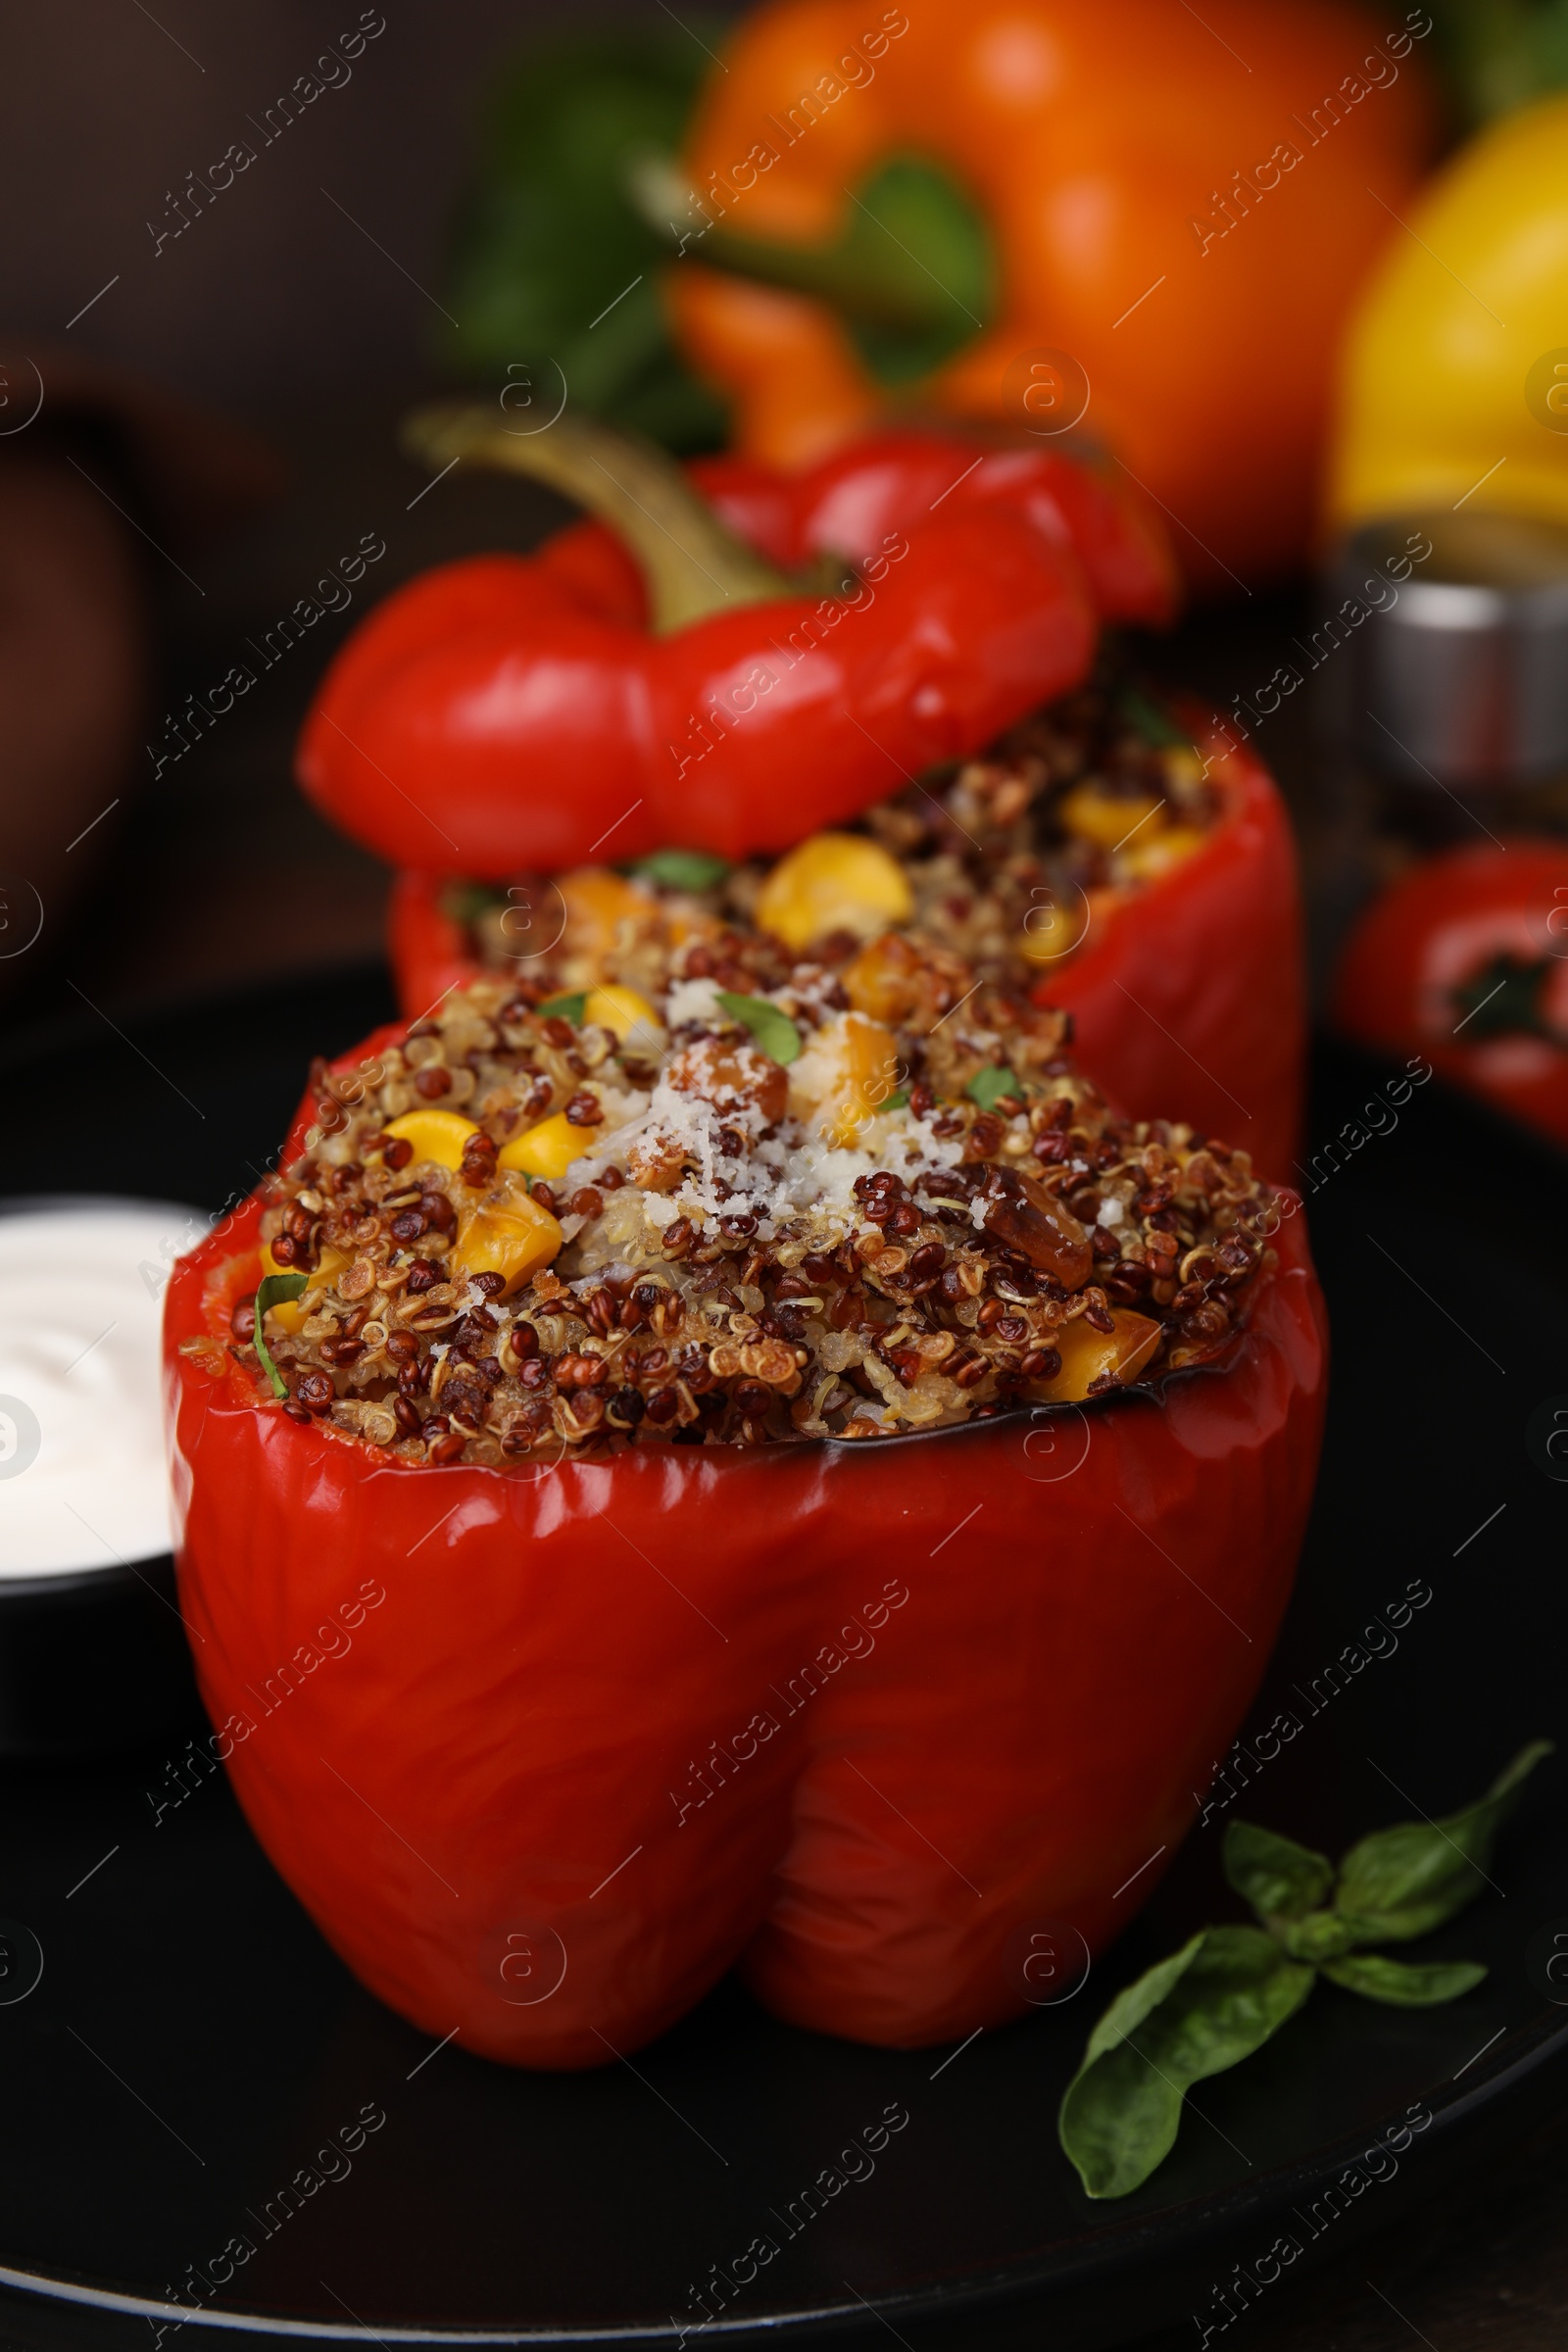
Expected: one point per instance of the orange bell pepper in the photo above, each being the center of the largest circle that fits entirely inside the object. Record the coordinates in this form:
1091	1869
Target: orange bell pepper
1183	204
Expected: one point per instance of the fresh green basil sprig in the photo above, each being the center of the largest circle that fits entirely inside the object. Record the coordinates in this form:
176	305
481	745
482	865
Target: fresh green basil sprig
1226	1991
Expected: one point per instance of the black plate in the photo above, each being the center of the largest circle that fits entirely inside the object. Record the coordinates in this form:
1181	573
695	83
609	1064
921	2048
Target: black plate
192	2047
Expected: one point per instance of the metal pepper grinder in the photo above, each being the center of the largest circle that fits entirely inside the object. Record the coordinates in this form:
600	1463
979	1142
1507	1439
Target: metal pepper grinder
1444	697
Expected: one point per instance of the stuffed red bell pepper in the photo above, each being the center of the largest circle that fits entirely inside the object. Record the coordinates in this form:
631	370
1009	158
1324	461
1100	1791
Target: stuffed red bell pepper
1464	958
707	1475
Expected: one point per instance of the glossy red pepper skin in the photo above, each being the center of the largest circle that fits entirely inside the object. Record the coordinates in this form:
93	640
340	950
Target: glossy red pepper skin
847	504
854	1717
1464	961
503	713
1189	993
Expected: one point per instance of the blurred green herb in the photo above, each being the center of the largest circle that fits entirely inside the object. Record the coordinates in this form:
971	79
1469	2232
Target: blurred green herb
1228	1991
1499	54
565	1008
465	902
551	261
1141	712
988	1086
773	1028
682	869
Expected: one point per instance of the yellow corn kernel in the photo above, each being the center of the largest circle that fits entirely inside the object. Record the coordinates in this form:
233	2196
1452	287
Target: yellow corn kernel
846	1076
597	903
513	1237
1145	858
436	1135
833	882
291	1312
1106	817
1086	1353
625	1011
547	1150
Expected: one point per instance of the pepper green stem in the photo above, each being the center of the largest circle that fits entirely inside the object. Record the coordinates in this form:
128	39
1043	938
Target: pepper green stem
692	565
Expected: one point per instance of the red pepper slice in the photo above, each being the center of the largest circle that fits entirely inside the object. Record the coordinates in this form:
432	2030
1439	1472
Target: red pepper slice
1464	961
503	713
544	1755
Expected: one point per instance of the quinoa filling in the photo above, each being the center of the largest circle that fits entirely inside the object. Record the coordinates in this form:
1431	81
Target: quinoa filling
774	1198
999	860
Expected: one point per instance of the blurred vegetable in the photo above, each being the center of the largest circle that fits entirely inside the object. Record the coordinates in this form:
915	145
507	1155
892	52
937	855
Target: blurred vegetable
1178	212
1499	54
552	265
1465	961
1454	379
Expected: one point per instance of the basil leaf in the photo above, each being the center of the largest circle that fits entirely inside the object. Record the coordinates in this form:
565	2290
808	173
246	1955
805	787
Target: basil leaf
274	1287
1379	1978
986	1085
1278	1877
772	1029
565	1008
898	1100
683	869
1210	2005
1136	711
1404	1882
1320	1937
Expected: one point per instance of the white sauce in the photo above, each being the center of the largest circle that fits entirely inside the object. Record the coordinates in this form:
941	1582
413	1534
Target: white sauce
82	1477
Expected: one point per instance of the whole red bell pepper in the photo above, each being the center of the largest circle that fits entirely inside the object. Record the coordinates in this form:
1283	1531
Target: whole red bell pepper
545	1753
1464	960
505	713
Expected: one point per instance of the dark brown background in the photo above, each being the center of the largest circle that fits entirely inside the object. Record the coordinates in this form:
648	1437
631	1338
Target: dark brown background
274	308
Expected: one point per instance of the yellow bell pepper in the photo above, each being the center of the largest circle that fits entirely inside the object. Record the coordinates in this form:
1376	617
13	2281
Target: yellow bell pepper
546	1151
1106	818
292	1312
599	908
1087	1353
1154	852
1454	379
625	1011
833	882
436	1135
846	1076
511	1237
